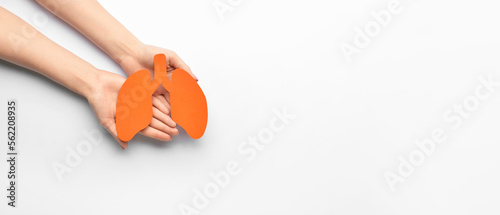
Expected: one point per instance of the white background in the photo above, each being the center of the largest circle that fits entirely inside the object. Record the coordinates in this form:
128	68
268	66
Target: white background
353	120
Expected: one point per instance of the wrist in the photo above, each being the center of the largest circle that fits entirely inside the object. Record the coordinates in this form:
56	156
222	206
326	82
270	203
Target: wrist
91	84
128	52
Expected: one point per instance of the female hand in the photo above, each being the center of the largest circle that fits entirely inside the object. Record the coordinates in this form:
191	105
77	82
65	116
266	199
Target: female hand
103	101
101	88
93	21
143	58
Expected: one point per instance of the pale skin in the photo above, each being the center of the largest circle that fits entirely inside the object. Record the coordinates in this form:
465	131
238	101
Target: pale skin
100	88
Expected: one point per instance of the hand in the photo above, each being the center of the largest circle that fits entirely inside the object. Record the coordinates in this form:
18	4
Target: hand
99	87
93	21
103	101
143	58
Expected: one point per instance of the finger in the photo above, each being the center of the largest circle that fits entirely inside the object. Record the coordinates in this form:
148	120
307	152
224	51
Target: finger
175	61
110	125
161	90
163	117
162	105
165	98
159	125
156	134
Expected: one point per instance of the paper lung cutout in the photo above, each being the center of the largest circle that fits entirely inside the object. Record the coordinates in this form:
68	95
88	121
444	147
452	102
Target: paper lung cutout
134	108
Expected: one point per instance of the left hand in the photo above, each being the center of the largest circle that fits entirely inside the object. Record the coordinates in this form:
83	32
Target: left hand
103	101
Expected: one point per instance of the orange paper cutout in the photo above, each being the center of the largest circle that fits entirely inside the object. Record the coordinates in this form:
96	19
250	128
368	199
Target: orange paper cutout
134	110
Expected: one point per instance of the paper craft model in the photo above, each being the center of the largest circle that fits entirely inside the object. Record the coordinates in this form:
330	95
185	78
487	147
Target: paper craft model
134	107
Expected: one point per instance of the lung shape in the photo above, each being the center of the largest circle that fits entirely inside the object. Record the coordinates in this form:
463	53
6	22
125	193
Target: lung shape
134	105
187	100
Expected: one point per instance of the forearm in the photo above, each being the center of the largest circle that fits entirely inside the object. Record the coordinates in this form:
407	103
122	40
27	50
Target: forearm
93	21
25	46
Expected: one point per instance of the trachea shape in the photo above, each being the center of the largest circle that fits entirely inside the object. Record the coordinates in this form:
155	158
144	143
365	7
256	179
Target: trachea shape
134	107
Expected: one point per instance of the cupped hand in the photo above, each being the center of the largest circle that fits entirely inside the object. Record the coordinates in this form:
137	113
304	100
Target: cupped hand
103	101
144	59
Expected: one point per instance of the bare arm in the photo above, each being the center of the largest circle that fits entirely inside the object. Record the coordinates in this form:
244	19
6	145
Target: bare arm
93	21
24	45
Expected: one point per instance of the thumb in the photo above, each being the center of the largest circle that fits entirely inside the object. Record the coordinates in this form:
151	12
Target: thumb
110	125
175	61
